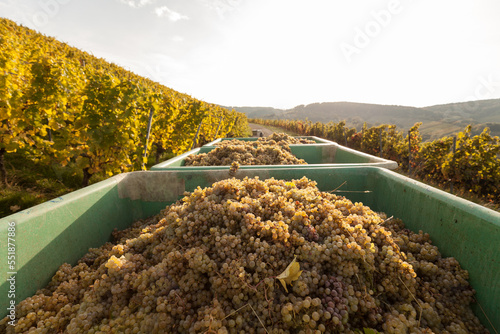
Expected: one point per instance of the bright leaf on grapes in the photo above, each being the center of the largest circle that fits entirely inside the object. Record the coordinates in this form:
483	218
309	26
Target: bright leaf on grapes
291	273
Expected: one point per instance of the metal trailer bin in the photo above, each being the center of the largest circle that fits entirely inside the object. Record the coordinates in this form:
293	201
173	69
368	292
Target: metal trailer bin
316	155
62	230
313	138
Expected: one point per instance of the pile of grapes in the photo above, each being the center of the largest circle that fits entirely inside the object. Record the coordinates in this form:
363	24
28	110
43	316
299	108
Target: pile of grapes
226	259
284	139
272	150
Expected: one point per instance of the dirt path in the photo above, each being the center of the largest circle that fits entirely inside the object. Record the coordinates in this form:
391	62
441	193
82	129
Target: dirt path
266	132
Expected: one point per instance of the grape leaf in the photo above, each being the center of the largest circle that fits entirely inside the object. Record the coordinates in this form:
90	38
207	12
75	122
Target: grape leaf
291	273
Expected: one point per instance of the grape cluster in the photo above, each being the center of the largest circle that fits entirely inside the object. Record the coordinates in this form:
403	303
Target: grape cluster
333	299
208	264
272	150
284	139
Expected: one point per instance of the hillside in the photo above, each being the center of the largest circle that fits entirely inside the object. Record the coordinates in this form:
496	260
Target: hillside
66	115
261	112
481	111
438	121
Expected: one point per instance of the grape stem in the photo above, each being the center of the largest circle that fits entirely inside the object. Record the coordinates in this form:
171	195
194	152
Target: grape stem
387	220
265	295
210	330
334	190
247	304
268	305
255	287
484	313
421	309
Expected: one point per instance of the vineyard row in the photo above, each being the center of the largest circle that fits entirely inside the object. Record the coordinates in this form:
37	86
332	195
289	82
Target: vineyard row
61	105
469	164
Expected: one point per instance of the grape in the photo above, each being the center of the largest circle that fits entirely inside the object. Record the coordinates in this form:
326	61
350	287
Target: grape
208	264
273	150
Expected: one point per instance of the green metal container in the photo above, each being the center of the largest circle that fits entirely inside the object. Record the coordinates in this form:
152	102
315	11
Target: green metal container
316	155
63	229
313	138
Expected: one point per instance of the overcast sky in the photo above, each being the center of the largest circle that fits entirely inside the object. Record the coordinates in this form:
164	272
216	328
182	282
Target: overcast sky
282	53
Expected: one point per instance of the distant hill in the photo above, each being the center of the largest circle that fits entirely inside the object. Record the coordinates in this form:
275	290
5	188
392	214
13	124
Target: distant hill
261	112
437	121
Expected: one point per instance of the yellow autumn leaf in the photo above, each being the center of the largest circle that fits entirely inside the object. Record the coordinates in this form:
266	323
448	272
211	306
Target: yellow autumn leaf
291	273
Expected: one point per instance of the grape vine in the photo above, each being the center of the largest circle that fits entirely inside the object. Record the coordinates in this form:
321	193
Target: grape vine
474	168
61	105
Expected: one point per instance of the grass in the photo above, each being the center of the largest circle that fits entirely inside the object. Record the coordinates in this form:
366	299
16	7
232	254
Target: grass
31	183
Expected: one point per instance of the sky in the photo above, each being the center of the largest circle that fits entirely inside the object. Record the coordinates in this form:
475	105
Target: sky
283	53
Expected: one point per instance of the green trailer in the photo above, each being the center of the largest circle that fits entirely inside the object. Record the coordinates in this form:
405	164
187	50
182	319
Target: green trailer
62	230
315	139
316	155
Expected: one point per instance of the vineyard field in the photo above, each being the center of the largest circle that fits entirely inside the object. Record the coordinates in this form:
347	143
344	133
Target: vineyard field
472	170
60	105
